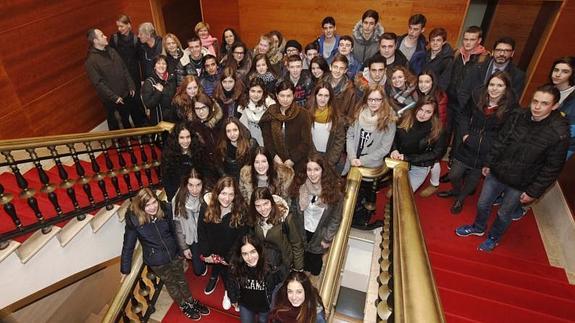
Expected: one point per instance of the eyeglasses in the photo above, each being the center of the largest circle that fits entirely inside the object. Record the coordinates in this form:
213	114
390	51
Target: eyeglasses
500	50
239	53
372	100
205	107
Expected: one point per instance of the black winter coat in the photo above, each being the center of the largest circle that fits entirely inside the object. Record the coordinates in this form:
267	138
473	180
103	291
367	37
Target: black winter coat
159	103
529	155
107	71
218	238
459	73
415	146
440	65
482	130
158	240
127	47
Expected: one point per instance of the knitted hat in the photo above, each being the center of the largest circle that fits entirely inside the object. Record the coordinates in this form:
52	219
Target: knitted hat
293	43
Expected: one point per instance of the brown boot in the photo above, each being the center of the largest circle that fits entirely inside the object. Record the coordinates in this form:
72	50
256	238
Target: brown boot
428	191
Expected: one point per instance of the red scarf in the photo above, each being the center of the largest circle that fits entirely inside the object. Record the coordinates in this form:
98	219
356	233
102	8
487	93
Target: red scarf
466	55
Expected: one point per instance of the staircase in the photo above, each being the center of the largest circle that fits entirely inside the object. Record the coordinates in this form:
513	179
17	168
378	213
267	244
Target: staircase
58	196
514	283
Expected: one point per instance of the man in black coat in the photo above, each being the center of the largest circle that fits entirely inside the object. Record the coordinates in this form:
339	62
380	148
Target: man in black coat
503	51
525	159
113	83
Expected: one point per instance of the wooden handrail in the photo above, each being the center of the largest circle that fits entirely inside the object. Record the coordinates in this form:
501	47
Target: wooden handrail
414	292
35	142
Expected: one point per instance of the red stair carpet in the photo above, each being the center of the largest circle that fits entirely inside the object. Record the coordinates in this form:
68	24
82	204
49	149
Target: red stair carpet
213	301
514	283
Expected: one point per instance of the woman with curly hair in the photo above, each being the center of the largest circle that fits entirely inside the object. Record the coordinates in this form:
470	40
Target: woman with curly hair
220	225
328	128
271	220
255	272
183	101
263	172
228	92
253	106
401	89
420	140
235	147
261	68
317	205
186	205
298	301
184	150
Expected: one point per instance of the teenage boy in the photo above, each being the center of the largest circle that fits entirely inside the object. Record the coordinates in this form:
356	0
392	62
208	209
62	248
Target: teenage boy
311	50
192	62
374	74
465	59
328	41
438	57
301	79
412	44
388	50
345	48
366	35
540	135
210	75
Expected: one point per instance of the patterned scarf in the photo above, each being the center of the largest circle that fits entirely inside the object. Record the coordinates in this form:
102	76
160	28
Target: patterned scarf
307	191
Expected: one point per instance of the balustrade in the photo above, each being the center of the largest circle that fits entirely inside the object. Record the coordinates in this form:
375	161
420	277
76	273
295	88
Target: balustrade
32	200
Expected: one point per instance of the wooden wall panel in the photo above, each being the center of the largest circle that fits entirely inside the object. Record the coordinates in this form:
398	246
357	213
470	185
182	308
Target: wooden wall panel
524	14
42	51
300	19
221	14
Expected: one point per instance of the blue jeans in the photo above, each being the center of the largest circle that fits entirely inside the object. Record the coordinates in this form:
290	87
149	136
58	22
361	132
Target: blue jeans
492	189
248	316
197	264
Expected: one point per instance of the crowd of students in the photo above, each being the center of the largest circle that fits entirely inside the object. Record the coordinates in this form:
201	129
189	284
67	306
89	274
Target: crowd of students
263	138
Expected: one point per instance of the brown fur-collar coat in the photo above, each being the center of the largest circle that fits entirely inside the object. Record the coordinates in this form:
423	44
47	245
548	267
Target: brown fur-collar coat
296	144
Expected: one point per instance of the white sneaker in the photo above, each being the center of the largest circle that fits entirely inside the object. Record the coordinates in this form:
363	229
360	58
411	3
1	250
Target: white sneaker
226	303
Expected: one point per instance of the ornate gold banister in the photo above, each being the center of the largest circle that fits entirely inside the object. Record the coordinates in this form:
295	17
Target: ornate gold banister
334	264
415	297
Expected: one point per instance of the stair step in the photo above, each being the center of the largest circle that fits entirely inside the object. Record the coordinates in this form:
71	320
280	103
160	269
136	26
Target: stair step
454	318
502	275
12	246
175	316
72	228
487	310
102	217
503	261
122	209
505	294
34	243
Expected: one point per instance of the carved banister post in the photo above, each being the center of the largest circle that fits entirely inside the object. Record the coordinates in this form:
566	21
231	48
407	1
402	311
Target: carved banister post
110	166
123	169
145	163
135	167
27	193
66	183
83	179
47	187
6	201
98	176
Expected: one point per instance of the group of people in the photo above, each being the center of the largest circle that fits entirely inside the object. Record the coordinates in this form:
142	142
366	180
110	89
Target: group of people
263	137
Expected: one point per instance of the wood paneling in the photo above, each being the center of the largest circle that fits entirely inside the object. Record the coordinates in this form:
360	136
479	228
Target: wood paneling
42	51
221	14
524	14
301	19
